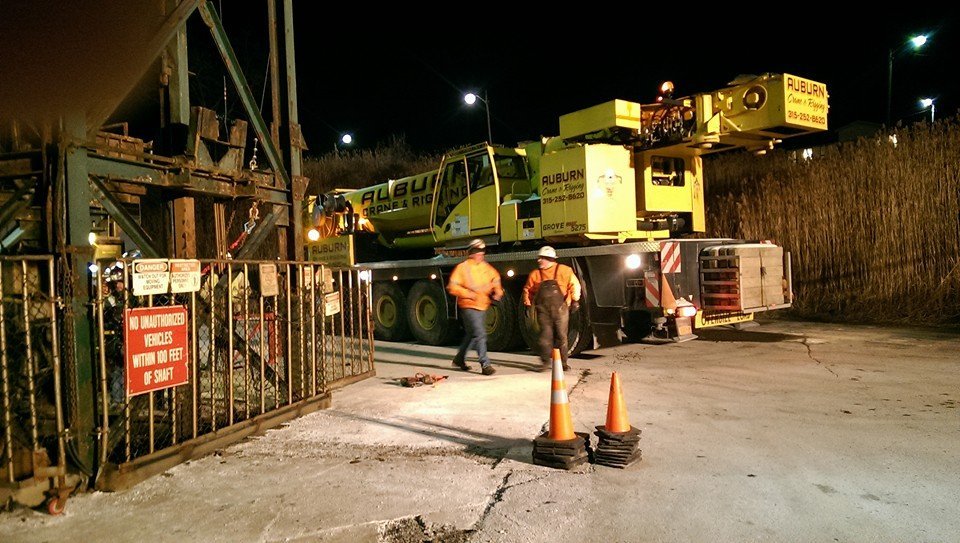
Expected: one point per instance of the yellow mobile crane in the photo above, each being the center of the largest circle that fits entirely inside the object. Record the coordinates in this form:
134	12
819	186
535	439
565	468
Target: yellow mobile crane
618	193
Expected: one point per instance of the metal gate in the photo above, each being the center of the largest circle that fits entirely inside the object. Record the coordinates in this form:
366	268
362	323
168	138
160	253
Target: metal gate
30	381
267	341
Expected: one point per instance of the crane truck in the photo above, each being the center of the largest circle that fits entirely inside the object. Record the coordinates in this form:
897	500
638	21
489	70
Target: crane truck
619	193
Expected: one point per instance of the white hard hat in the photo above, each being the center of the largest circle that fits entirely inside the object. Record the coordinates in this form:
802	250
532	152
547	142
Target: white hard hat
477	246
547	252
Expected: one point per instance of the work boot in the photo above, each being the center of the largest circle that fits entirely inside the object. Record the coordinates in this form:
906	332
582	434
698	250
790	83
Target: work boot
488	370
546	366
461	365
566	367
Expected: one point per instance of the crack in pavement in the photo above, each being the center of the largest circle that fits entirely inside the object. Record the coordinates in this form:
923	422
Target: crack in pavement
495	498
815	359
581	379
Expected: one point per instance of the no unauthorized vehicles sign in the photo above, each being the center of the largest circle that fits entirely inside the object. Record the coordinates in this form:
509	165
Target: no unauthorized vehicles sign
155	340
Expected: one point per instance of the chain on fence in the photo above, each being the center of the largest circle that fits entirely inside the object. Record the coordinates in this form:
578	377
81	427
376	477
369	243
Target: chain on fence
260	336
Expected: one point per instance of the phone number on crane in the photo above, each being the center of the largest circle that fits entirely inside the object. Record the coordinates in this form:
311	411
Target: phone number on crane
563	198
806	117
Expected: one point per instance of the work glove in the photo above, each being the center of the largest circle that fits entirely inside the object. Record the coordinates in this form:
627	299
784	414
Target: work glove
574	306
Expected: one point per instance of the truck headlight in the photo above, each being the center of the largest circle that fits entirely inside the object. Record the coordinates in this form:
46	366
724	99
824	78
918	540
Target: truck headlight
313	234
632	262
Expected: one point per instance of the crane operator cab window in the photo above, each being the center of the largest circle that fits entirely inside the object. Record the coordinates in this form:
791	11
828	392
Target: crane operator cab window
452	190
512	170
481	175
667	171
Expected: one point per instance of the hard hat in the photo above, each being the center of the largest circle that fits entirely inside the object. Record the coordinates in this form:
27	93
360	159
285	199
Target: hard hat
477	246
547	252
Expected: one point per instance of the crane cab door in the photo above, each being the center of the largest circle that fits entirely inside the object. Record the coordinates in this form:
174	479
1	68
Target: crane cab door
465	198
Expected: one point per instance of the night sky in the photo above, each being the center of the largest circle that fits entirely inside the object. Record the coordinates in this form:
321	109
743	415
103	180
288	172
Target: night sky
376	74
387	84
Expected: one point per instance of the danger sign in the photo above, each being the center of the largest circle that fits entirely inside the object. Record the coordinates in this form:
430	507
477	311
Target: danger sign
151	276
156	348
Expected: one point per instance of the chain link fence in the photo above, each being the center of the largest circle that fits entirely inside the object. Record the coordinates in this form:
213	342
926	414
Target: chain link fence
261	336
32	426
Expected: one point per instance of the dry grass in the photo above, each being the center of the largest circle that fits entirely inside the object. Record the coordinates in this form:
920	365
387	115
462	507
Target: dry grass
874	229
357	169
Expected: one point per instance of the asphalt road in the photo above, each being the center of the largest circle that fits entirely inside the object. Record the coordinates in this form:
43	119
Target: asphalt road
786	432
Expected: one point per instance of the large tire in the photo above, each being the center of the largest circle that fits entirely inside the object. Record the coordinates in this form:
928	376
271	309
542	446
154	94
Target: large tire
390	312
579	333
502	332
427	314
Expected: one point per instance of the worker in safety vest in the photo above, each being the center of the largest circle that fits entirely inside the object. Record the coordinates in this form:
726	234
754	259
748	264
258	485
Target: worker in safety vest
475	283
555	292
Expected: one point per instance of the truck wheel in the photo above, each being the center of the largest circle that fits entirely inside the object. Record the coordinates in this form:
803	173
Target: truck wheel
529	328
502	331
390	312
579	335
427	314
579	332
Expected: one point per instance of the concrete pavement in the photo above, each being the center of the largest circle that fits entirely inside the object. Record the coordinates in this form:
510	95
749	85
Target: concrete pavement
786	432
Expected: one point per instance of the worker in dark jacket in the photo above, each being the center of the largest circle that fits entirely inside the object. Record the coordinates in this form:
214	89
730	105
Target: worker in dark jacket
555	291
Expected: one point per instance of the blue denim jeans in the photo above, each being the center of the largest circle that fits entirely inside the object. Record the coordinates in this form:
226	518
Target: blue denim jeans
475	335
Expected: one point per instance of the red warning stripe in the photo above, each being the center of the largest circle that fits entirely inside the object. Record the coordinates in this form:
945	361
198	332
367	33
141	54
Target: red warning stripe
670	257
651	288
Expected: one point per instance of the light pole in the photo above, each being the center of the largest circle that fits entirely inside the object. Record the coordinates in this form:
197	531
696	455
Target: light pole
928	103
916	42
471	98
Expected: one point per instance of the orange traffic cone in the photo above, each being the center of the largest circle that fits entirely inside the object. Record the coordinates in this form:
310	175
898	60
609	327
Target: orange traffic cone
561	423
617	420
667	300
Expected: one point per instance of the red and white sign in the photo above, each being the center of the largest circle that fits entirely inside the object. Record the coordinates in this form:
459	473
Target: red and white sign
156	348
184	276
651	284
670	257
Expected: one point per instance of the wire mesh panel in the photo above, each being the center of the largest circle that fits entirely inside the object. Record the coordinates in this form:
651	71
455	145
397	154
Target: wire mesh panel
260	336
31	427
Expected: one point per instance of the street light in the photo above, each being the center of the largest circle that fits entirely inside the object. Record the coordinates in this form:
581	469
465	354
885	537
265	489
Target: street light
471	98
346	139
928	103
916	42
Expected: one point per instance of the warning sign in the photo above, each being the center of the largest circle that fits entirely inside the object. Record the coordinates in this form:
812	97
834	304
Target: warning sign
268	280
150	276
156	348
331	304
184	276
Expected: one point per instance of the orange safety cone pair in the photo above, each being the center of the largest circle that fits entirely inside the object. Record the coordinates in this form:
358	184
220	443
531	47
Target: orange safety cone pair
561	422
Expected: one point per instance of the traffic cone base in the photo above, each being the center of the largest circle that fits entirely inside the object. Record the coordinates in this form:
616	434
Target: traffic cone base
565	454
